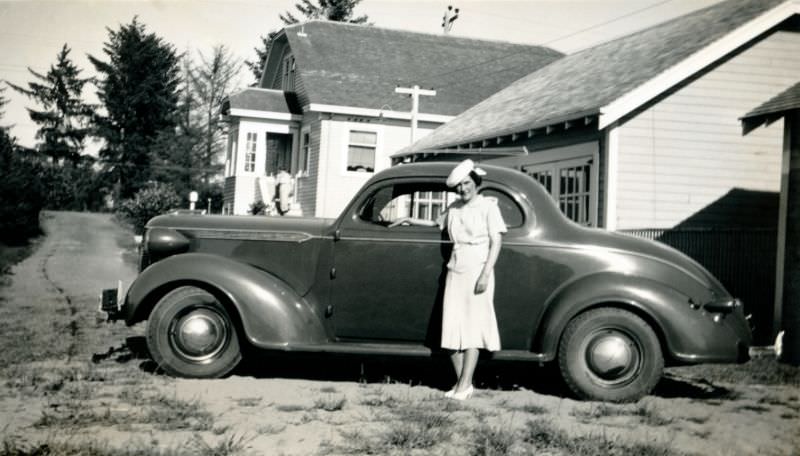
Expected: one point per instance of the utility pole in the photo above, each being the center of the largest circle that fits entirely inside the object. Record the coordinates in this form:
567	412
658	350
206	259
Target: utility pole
414	92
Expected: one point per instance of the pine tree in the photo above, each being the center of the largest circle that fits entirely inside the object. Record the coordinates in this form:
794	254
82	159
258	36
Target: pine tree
332	10
63	123
139	89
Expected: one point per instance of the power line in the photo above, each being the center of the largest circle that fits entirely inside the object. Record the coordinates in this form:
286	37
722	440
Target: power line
578	32
429	80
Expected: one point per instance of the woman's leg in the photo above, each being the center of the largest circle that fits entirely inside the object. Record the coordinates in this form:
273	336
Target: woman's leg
470	360
457	358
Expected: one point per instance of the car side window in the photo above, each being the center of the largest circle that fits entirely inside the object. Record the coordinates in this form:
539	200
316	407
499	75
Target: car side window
418	200
509	209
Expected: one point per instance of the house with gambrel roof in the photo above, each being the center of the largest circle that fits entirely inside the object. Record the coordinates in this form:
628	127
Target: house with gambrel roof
326	113
642	132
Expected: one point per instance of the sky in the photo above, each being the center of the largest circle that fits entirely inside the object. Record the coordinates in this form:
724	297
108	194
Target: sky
33	31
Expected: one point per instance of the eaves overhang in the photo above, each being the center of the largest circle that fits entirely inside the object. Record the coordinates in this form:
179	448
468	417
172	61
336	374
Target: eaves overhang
378	113
585	119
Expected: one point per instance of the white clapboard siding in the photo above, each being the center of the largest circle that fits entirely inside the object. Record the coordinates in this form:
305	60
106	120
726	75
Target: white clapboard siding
687	151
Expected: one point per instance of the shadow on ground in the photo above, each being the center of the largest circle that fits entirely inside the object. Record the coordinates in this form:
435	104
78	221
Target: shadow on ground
434	372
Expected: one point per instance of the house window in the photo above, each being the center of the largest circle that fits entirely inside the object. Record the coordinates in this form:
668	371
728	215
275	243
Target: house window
361	151
569	182
429	205
419	200
250	153
287	80
305	152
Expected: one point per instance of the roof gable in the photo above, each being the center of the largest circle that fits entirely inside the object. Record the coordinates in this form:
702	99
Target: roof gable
360	66
609	79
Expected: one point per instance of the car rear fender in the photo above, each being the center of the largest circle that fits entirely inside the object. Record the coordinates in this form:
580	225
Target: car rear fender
664	308
271	313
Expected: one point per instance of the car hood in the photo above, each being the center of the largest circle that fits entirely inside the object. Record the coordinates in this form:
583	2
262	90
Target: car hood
309	225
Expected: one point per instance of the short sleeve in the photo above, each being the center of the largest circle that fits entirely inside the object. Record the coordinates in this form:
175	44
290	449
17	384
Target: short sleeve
495	220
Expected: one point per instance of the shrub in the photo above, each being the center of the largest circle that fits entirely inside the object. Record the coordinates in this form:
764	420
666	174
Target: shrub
155	199
21	194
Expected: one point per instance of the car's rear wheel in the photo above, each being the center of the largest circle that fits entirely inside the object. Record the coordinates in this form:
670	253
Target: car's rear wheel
610	354
190	334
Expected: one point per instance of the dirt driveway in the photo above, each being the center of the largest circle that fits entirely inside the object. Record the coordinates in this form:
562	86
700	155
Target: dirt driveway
72	384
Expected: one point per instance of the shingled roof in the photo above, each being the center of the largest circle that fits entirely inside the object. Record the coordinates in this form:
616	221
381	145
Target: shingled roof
360	66
582	84
785	101
257	99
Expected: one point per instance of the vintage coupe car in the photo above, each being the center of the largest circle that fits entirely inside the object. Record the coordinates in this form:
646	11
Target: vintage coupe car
610	309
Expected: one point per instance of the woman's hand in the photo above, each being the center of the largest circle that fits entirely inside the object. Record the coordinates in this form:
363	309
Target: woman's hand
482	283
400	221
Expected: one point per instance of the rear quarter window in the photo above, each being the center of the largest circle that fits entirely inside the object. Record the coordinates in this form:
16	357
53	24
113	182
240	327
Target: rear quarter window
509	209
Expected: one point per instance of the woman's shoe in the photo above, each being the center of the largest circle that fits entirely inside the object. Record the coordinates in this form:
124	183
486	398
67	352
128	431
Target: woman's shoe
450	393
463	395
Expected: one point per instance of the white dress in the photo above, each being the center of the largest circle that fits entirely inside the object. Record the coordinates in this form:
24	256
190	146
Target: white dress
468	319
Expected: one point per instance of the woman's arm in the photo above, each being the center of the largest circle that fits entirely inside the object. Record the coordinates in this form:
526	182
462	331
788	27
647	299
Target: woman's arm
495	241
412	221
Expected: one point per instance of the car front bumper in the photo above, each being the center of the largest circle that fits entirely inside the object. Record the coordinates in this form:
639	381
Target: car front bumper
111	300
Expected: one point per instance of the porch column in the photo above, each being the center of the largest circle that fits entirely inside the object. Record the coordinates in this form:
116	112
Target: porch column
791	277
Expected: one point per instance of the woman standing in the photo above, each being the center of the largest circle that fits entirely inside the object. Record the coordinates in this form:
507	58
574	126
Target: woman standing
475	225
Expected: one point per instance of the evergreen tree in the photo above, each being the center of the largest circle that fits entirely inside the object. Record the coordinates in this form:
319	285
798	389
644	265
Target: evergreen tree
3	102
139	89
21	193
210	83
173	151
63	123
332	10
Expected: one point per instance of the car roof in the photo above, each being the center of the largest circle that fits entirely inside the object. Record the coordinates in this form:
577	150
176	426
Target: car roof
442	169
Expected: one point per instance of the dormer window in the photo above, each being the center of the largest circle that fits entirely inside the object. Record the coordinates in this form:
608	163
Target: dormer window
287	79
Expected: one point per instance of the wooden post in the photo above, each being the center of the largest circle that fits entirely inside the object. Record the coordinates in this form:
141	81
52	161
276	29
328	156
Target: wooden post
414	92
791	270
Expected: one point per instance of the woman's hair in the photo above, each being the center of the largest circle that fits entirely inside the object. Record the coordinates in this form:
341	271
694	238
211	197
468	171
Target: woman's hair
476	178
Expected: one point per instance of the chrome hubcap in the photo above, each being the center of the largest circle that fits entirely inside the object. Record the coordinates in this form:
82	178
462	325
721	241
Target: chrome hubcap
200	334
612	356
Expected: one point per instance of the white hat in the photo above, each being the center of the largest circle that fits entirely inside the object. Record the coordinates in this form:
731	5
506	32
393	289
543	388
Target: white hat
461	171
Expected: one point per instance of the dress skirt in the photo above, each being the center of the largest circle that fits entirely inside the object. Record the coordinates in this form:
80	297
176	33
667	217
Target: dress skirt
468	319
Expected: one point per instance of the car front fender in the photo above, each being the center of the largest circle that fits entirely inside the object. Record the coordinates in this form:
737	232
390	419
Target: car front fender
272	314
688	332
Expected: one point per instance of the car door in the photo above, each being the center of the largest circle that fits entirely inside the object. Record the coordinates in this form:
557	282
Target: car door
388	282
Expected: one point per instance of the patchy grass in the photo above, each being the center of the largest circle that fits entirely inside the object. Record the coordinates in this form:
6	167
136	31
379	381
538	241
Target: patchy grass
197	446
330	403
761	370
752	408
543	436
289	408
227	446
248	402
170	413
493	440
646	413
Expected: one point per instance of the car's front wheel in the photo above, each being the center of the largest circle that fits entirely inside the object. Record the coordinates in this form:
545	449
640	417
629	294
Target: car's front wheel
610	354
190	334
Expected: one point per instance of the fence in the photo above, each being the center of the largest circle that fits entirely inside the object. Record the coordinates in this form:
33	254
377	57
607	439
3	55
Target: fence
743	259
